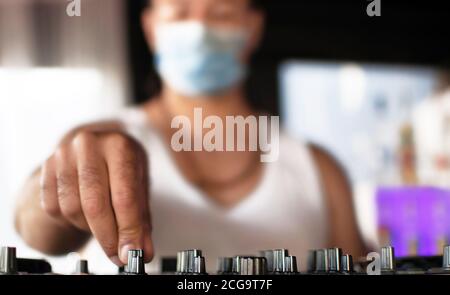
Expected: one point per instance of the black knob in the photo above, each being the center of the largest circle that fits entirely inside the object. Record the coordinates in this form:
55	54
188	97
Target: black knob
34	266
387	259
135	264
334	259
8	261
121	270
347	263
168	265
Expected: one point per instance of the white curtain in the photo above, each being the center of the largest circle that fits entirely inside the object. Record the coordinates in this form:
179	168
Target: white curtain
56	72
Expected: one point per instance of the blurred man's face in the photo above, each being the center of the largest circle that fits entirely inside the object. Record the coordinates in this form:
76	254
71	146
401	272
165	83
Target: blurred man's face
217	13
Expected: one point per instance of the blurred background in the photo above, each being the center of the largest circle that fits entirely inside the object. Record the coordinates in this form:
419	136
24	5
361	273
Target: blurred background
375	92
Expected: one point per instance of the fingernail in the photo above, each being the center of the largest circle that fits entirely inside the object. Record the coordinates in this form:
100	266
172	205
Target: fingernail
116	260
124	252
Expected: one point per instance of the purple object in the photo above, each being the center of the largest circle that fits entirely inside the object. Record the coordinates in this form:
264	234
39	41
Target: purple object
415	220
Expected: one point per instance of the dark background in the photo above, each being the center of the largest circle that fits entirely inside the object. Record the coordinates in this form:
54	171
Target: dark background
408	32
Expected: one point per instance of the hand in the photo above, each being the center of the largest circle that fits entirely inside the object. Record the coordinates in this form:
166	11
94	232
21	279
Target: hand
98	182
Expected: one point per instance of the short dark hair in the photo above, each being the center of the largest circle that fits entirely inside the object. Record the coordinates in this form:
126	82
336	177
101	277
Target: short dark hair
259	4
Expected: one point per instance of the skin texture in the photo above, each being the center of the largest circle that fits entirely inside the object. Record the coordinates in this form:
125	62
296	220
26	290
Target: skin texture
96	182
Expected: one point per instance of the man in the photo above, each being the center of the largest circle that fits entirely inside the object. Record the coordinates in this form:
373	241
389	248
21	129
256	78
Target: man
97	183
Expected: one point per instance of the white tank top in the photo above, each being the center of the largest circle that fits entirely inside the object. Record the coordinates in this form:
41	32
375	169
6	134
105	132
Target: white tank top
286	210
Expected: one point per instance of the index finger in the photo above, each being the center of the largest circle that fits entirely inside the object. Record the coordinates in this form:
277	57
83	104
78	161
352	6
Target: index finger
129	194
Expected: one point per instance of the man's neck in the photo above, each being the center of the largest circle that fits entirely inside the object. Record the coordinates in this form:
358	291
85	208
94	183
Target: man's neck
231	103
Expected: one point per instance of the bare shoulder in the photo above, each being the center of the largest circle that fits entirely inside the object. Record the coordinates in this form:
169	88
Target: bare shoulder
333	178
338	194
331	171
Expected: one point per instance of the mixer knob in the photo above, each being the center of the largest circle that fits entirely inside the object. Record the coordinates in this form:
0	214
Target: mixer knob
387	260
311	262
251	265
445	269
120	270
135	264
268	254
322	261
190	262
82	267
334	260
199	265
446	258
181	263
8	261
225	265
260	266
279	260
347	264
168	265
291	265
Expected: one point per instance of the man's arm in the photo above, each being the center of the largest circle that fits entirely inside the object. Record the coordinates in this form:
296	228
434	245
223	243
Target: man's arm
38	229
344	232
95	183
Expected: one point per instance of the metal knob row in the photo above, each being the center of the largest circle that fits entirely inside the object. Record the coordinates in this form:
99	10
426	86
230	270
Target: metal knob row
190	262
250	265
330	260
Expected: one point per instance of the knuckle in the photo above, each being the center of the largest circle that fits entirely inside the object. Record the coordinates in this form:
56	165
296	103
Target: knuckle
82	139
51	209
46	187
61	153
93	206
90	177
120	141
65	183
71	211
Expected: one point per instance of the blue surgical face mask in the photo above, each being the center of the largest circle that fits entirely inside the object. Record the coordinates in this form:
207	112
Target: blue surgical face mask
197	60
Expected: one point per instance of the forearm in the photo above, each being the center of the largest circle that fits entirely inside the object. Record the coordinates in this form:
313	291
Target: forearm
41	231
